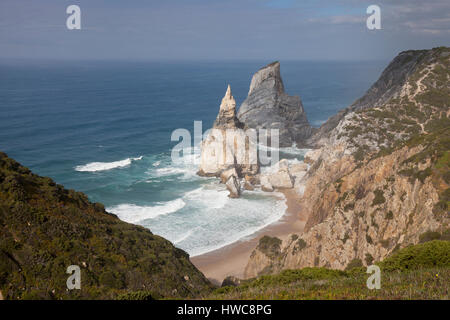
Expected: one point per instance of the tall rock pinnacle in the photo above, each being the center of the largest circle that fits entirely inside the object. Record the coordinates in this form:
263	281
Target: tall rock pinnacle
269	107
226	119
227	146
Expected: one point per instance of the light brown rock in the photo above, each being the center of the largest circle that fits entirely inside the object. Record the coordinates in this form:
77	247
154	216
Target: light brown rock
233	186
265	184
281	180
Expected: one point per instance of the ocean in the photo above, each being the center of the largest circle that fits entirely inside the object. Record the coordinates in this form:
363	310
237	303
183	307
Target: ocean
104	128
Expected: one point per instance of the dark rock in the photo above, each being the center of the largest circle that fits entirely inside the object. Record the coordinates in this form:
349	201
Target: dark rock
231	281
269	107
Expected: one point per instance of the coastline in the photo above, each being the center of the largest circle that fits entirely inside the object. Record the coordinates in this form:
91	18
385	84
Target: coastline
232	259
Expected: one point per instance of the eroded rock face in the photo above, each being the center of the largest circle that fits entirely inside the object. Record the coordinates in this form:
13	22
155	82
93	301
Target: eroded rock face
225	175
233	186
227	145
269	107
373	187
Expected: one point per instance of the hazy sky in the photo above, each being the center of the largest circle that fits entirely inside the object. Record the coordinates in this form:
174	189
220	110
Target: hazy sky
215	30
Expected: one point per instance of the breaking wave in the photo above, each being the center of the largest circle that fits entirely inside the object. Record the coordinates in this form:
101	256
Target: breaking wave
103	166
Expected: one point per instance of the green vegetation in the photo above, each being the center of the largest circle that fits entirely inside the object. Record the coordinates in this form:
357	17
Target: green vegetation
301	244
433	254
429	236
270	246
45	228
424	274
389	215
379	197
139	295
355	263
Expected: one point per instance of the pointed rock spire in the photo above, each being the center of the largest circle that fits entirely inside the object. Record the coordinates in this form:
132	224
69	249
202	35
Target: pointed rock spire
227	113
228	93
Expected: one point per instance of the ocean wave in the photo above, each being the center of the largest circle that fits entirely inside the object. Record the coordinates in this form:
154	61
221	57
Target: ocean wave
245	208
185	172
156	164
208	198
184	236
103	166
133	213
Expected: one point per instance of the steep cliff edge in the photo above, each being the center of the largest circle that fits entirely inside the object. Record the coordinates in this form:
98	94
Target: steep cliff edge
380	179
388	86
45	228
269	107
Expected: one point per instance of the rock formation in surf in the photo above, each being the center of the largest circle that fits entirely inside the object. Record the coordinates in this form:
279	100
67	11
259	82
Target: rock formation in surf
228	148
269	107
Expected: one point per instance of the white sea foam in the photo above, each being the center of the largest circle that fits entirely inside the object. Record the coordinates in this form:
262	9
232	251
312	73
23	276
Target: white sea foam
156	164
241	209
102	166
184	236
133	213
208	198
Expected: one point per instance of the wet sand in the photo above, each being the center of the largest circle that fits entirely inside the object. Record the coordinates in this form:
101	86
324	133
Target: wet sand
232	259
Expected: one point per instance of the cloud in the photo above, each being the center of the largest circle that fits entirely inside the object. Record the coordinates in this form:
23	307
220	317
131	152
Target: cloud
431	17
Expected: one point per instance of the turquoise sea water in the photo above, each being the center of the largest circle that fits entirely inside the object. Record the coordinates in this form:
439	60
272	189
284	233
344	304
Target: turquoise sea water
104	128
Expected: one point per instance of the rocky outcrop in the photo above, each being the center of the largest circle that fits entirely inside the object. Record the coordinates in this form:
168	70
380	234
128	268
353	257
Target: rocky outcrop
227	146
233	186
285	176
269	107
380	180
265	184
281	180
229	152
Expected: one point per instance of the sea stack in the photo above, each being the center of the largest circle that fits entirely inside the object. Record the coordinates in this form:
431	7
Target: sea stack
228	152
269	107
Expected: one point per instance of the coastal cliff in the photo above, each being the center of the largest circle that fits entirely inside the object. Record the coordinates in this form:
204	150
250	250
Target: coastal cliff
267	106
45	228
379	180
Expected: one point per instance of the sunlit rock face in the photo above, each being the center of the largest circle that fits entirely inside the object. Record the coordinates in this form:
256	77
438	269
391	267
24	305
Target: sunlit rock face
228	145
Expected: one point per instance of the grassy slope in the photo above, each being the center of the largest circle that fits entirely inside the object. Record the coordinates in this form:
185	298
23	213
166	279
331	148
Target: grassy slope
417	272
44	228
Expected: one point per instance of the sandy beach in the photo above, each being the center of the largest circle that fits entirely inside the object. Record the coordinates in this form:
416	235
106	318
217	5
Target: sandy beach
232	259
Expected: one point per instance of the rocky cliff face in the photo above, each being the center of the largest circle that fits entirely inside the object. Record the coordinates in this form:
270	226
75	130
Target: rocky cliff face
388	86
380	179
269	107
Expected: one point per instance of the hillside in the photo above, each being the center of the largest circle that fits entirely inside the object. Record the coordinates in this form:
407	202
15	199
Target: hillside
379	178
417	272
45	228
